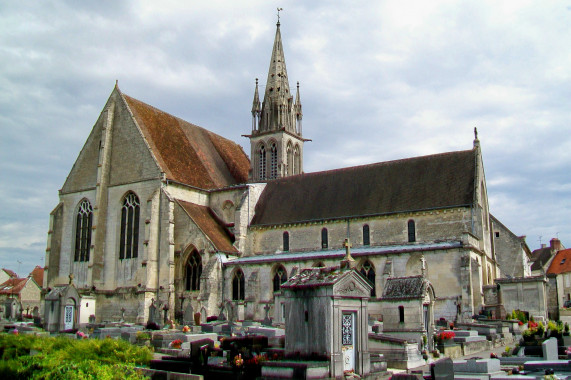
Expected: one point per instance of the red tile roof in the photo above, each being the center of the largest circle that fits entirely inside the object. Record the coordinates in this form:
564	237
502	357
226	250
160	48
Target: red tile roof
10	273
187	153
38	275
212	228
561	263
13	286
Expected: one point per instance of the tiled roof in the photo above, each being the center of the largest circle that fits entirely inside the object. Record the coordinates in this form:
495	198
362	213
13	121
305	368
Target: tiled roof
314	277
208	223
340	253
405	288
10	273
38	275
187	153
13	286
561	263
421	183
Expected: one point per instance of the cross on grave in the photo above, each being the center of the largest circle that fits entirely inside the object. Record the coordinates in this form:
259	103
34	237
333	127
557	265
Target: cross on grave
267	320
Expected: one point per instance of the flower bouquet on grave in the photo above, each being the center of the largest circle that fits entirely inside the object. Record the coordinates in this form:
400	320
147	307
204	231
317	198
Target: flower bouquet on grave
176	344
445	337
185	329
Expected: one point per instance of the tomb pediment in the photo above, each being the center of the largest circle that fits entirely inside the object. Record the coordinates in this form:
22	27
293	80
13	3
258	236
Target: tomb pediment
343	283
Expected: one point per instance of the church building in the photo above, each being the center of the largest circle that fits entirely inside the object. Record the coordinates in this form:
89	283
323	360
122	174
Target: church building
161	214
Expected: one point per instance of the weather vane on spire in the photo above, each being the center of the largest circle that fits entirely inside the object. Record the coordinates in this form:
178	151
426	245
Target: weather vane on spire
279	9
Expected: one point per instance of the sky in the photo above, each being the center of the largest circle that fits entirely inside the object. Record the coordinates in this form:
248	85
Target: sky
379	80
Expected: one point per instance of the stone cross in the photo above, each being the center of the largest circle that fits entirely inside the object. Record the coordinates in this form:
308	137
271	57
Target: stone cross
279	9
267	321
348	262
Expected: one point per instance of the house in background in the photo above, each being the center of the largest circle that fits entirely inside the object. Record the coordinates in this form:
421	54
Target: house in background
541	258
6	274
559	274
25	291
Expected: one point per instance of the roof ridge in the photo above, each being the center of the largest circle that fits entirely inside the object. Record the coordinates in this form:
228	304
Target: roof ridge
374	164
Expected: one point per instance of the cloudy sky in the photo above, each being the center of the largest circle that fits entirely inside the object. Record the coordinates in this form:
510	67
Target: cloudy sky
380	80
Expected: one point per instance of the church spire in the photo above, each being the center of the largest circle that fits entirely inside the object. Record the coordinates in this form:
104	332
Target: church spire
276	140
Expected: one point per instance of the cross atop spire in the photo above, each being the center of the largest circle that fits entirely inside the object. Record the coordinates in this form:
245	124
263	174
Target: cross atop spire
279	9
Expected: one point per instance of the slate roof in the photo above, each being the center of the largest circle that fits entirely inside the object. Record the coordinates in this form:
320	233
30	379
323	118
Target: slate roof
404	288
13	286
210	226
540	257
314	277
561	263
188	153
421	183
340	253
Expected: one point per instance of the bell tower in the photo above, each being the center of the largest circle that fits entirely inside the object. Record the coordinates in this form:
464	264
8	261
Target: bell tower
276	140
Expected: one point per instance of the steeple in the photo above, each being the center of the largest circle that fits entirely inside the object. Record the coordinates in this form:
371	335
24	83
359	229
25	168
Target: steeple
276	139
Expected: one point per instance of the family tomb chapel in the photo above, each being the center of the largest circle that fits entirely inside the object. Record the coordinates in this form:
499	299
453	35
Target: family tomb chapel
326	313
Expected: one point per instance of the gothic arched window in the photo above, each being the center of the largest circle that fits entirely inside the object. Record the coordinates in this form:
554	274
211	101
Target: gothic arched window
193	271
411	231
262	162
366	235
83	224
324	239
368	271
296	160
273	161
286	241
289	155
280	276
238	285
129	240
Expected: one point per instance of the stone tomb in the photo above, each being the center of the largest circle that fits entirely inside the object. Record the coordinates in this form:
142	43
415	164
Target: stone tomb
62	308
326	312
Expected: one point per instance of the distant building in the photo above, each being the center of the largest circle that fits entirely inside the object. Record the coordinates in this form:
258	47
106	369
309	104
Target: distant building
541	258
26	290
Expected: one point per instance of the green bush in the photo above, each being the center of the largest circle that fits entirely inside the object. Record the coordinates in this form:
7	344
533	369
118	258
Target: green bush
63	358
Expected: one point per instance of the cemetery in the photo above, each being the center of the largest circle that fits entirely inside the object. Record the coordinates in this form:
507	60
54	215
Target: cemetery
327	332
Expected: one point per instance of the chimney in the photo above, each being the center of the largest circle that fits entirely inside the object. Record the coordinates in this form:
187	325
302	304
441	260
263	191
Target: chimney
543	245
555	244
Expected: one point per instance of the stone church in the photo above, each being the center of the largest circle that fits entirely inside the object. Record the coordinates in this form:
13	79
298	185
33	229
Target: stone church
160	214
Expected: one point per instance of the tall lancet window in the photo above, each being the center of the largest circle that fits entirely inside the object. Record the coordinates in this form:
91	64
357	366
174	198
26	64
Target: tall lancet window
262	162
129	241
83	224
238	285
193	271
274	162
411	231
289	160
296	160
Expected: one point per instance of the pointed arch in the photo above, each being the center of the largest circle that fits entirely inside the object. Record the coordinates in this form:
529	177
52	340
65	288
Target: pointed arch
261	152
83	224
238	285
279	277
368	271
193	271
273	160
296	160
129	238
289	156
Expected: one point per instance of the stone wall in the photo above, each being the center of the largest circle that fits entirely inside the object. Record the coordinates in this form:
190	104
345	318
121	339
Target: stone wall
430	226
509	251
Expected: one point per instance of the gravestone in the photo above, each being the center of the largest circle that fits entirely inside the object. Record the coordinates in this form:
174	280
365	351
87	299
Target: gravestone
549	348
221	316
188	316
153	313
442	369
267	320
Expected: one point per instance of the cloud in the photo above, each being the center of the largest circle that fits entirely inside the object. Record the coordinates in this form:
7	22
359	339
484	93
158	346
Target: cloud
378	80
